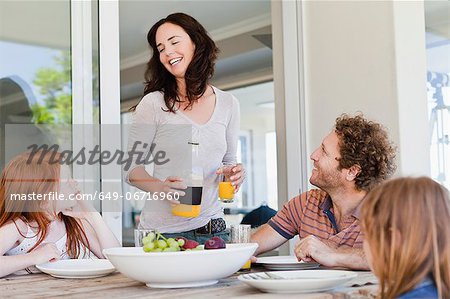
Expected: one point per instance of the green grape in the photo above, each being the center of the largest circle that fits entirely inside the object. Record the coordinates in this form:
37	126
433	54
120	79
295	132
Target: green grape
156	242
169	249
151	236
146	240
149	247
162	244
199	247
175	248
172	243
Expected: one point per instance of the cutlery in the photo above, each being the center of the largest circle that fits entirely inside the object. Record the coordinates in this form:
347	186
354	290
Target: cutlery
272	276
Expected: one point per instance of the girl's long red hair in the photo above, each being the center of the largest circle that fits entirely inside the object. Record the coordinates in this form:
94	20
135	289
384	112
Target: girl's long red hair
39	174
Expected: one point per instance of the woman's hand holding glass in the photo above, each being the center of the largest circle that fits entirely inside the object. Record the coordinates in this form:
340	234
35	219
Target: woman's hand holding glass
237	175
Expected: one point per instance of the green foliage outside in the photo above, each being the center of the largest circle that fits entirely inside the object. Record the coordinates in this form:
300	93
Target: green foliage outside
55	85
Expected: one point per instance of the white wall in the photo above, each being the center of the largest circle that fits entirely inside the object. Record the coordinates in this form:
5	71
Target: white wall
411	66
368	56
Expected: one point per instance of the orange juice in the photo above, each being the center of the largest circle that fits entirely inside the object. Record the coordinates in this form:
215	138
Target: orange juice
190	203
247	265
186	210
226	191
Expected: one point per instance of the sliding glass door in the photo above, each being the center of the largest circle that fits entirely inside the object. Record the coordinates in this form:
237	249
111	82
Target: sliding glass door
35	70
63	71
51	90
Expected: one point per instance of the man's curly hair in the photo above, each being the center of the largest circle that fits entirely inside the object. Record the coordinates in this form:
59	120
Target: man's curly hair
366	144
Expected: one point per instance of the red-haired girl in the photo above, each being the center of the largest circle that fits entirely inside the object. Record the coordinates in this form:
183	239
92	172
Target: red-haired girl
40	219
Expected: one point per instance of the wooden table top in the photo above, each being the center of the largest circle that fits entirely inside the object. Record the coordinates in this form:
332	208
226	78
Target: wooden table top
117	285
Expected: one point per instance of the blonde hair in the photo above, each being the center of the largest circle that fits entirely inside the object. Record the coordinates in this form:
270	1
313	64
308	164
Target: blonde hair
406	222
26	174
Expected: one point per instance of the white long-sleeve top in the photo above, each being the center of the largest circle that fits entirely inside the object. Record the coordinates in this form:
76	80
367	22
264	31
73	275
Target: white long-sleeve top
170	133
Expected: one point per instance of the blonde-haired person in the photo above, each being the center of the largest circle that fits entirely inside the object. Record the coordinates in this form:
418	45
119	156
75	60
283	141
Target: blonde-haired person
38	228
406	222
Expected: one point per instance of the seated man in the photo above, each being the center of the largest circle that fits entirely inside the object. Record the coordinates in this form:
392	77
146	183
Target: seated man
353	158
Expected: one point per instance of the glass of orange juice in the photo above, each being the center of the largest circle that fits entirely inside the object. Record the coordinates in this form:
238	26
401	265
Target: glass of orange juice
226	190
240	233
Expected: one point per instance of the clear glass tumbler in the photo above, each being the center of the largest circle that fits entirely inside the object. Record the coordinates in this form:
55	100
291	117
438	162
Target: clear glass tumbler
226	190
240	233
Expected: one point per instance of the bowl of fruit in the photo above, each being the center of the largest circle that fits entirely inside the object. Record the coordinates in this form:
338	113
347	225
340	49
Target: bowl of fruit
179	262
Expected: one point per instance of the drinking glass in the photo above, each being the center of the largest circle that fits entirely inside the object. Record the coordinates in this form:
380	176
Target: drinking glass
226	190
139	234
240	233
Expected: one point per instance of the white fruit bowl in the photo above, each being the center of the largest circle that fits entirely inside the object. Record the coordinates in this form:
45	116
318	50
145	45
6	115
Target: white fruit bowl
180	269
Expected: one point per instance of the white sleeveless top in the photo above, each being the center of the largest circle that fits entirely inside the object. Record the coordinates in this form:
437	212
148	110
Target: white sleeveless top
31	239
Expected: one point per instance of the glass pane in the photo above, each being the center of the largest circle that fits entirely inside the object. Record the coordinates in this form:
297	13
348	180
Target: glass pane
86	101
258	146
437	24
95	64
242	31
35	66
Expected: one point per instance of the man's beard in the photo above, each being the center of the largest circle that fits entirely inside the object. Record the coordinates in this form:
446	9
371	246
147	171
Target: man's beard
328	182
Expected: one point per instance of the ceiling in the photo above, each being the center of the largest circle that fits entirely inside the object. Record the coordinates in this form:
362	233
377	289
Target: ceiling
236	25
221	18
437	21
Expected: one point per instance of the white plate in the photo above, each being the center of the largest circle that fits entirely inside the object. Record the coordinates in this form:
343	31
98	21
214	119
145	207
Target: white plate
77	268
304	281
285	263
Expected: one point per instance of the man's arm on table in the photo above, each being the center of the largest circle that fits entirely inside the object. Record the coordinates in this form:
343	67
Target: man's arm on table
267	239
311	248
352	258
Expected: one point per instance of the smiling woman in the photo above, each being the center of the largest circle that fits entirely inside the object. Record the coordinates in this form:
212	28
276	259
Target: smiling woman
180	108
185	63
175	49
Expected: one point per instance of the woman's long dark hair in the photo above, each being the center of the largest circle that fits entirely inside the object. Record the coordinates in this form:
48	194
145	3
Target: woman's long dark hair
199	71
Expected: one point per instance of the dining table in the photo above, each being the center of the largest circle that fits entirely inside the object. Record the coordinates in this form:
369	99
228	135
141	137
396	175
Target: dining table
116	285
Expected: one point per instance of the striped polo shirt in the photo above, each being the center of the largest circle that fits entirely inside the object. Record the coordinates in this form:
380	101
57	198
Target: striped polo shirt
306	214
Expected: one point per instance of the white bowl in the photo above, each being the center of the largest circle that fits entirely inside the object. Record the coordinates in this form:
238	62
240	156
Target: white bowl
180	269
